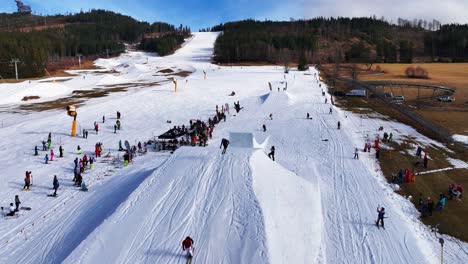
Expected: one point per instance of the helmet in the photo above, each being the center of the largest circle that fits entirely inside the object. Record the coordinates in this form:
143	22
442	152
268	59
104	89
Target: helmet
382	209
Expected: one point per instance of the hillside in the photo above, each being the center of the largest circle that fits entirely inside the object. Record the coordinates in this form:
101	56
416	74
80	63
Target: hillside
47	43
327	40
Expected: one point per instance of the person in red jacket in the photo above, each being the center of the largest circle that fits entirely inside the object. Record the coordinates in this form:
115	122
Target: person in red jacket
408	175
187	245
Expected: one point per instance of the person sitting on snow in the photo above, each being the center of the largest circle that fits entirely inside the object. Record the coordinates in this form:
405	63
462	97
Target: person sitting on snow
83	187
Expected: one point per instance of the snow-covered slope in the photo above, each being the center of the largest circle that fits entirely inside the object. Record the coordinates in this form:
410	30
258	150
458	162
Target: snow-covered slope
314	204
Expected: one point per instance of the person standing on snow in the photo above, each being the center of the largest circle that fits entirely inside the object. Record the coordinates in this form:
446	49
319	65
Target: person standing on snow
36	151
96	127
430	205
61	151
339	124
44	147
224	144
271	155
331	111
187	245
27	181
264	128
46	158
12	210
380	217
425	160
78	150
17	203
103	119
356	153
56	185
51	155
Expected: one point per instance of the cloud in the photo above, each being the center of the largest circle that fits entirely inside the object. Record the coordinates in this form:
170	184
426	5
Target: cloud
446	11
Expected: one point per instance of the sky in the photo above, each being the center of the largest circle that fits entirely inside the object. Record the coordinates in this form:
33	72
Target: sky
206	13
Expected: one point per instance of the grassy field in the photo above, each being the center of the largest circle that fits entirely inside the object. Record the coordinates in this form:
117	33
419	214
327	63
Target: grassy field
452	116
450	74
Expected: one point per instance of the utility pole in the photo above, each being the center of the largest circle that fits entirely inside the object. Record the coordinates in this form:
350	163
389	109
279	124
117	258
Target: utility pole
107	51
15	61
79	59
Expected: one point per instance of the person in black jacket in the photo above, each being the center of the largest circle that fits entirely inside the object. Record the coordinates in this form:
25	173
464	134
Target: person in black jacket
224	144
271	155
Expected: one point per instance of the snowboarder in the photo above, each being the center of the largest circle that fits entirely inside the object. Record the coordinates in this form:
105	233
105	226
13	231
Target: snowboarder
331	111
51	155
46	158
17	203
61	151
356	153
187	245
380	217
78	150
326	100
96	127
264	128
84	133
120	145
118	124
91	162
224	144
271	155
27	181
44	147
308	116
56	185
76	162
12	210
115	128
103	119
84	188
339	124
118	115
271	116
36	151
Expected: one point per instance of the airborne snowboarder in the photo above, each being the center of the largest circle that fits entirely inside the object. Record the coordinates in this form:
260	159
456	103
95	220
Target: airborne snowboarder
271	155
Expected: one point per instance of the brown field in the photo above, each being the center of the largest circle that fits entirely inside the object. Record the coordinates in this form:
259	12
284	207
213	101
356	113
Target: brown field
453	115
449	74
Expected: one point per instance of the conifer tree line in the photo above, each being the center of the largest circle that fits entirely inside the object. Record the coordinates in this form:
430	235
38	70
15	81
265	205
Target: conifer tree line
326	40
96	32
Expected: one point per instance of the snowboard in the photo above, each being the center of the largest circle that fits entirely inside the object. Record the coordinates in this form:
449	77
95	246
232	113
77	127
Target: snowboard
51	195
25	208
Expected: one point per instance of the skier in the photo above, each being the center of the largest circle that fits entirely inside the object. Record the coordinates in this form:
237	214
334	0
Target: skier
356	153
56	185
187	245
308	116
46	158
264	128
17	203
339	124
380	217
49	140
76	162
36	151
44	147
224	144
51	155
331	111
61	151
271	155
103	119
